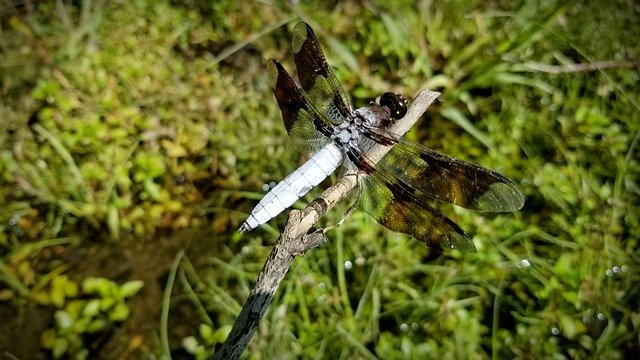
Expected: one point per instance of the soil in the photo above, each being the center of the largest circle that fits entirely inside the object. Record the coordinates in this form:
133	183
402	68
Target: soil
130	258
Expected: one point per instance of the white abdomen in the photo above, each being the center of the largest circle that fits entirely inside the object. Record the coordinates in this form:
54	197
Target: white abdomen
317	168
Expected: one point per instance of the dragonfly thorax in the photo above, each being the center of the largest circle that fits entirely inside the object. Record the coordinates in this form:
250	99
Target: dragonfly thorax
372	116
379	114
347	133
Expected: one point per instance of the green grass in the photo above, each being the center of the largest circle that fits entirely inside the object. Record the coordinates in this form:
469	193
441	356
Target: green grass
146	127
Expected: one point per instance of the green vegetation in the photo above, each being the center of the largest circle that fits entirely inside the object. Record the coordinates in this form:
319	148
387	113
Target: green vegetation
132	129
85	317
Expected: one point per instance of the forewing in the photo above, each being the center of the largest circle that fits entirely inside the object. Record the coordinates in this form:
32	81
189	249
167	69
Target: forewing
451	180
316	77
306	127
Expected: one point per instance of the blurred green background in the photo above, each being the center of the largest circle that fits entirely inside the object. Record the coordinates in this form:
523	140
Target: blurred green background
136	135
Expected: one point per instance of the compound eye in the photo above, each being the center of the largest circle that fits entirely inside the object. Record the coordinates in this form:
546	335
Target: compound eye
396	103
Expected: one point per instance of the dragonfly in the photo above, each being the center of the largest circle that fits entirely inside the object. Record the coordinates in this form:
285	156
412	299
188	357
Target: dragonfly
397	189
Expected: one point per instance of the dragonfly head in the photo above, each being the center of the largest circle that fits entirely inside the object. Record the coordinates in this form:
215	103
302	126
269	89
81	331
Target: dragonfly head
396	103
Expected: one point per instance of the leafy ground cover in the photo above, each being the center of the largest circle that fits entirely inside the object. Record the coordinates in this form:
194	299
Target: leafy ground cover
136	135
